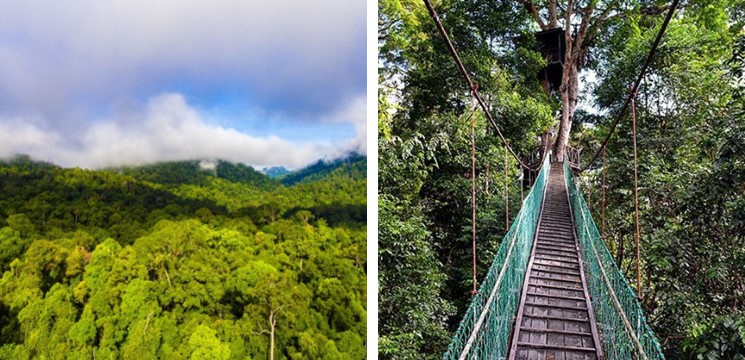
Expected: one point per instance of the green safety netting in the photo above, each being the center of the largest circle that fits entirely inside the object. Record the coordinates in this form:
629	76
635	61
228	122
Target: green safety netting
484	331
623	328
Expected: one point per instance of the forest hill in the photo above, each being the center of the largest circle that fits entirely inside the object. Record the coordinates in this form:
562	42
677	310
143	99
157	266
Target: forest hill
170	261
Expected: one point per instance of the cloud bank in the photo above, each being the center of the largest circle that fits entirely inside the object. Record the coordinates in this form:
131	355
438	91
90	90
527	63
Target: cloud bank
166	129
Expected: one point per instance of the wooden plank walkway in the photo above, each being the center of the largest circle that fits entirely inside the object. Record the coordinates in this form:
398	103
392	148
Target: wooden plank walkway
555	320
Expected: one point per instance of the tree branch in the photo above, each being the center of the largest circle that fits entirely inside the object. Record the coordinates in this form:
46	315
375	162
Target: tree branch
168	277
601	19
568	31
532	9
261	331
553	21
584	25
147	322
654	10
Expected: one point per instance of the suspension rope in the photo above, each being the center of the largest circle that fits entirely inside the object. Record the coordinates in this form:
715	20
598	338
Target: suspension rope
472	85
636	83
602	201
636	197
506	198
473	187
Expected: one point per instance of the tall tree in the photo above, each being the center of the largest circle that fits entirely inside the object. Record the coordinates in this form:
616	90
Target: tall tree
583	22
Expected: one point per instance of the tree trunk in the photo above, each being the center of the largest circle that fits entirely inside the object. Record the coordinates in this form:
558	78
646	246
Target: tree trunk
271	346
272	326
568	81
568	89
575	51
553	20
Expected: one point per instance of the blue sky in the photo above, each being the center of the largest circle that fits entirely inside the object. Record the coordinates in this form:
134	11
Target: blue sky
94	84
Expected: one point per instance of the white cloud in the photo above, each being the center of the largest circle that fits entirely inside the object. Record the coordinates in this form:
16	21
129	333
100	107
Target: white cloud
167	129
17	137
210	165
355	113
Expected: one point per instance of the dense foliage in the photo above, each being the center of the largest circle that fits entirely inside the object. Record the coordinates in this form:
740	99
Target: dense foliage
691	138
691	144
353	163
178	261
198	173
425	115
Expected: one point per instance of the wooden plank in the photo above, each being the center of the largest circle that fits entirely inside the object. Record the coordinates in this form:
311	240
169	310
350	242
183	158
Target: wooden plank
554	314
557	234
553	236
555	269
567	297
560	318
541	283
540	255
556	331
571	281
555	306
558	239
555	252
557	274
563	259
559	226
557	244
555	302
558	347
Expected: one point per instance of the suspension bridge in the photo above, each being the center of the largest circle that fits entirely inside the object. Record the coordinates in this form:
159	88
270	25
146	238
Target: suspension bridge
553	290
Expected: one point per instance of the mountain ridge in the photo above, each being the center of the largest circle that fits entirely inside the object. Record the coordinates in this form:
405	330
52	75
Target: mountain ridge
198	171
355	163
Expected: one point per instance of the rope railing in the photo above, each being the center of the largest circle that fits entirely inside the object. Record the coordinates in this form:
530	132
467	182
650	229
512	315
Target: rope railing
472	84
485	329
620	319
